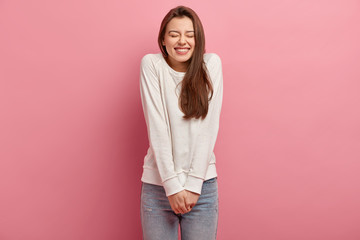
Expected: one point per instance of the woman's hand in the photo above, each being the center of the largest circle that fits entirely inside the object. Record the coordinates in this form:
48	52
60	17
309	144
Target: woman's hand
183	201
191	199
177	202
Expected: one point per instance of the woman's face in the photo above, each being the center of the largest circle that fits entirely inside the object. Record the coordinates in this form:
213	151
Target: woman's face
179	40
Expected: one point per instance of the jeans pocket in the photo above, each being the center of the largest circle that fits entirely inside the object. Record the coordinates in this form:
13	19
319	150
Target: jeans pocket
211	180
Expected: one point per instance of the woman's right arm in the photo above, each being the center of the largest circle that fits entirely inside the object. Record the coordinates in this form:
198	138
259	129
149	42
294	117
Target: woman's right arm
158	133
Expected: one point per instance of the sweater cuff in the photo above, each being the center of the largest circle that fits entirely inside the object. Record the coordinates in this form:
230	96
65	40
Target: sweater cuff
172	186
193	184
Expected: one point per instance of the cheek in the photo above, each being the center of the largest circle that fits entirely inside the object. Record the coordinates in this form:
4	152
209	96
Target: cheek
170	42
167	42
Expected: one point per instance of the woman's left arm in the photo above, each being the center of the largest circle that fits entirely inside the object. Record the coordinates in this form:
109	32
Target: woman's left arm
208	131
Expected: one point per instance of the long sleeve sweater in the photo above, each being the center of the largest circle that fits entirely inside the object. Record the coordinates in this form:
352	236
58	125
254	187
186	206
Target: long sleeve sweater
181	152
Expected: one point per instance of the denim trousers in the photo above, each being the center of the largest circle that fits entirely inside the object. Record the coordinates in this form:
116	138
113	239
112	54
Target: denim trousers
160	222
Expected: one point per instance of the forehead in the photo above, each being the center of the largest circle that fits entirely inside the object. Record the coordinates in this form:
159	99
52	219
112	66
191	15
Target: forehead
180	24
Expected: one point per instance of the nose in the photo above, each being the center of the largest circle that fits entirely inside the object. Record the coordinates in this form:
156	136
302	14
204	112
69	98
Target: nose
182	40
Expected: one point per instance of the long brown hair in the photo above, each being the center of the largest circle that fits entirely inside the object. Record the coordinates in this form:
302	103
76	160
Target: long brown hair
196	86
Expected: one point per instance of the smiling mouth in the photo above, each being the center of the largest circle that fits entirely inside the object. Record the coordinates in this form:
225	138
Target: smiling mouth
182	50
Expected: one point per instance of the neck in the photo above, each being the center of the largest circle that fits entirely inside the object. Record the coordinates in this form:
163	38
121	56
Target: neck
177	66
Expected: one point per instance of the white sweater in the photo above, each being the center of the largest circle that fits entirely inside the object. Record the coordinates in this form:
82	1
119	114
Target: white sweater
181	152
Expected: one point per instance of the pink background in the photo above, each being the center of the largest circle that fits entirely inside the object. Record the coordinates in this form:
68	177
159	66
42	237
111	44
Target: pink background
73	136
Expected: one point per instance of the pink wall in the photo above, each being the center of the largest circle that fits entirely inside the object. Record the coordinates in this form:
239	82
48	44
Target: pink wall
73	136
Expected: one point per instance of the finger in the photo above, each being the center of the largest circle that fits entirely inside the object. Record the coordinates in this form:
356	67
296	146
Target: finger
190	206
181	209
184	208
187	203
177	209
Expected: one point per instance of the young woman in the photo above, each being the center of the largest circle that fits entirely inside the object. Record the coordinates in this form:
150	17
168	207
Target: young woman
181	92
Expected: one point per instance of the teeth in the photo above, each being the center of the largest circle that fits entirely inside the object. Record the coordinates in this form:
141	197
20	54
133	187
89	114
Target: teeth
182	50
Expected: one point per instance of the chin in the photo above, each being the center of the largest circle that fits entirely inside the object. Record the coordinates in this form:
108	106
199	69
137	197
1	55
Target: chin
182	58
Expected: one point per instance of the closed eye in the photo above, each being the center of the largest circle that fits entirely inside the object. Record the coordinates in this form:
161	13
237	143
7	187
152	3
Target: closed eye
178	36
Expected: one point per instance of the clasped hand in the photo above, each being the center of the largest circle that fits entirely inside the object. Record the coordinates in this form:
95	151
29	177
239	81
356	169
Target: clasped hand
183	201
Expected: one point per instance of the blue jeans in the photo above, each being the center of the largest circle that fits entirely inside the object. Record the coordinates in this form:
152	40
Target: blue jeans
160	222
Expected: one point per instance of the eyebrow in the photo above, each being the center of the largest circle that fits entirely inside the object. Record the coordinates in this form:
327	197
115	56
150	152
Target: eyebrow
178	31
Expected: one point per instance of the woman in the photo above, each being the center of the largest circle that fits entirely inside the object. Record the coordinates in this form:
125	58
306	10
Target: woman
181	92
